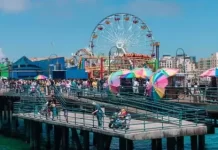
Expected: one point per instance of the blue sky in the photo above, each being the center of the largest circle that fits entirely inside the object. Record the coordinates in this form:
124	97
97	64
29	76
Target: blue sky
27	27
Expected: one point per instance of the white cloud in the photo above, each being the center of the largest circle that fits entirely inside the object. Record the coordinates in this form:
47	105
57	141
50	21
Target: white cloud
14	6
152	7
2	55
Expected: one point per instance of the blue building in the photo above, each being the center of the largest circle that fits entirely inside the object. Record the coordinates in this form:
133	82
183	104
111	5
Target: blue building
75	73
24	68
54	68
51	67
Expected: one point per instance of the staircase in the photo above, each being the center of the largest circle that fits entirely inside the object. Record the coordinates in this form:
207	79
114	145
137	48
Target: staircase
29	103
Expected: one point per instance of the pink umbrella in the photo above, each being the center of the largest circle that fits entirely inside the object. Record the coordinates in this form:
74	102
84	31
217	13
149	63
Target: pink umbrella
213	72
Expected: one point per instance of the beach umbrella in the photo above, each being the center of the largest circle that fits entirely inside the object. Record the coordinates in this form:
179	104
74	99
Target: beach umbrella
40	77
139	73
168	71
142	72
157	85
114	78
213	72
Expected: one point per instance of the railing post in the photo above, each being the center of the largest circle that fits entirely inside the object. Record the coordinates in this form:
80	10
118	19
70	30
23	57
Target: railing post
93	124
180	119
162	122
35	110
103	122
75	117
196	116
83	118
144	121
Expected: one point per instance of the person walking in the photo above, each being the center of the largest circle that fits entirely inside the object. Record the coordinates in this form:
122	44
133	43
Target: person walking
99	113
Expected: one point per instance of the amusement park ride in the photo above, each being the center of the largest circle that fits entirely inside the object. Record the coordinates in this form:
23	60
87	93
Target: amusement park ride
119	41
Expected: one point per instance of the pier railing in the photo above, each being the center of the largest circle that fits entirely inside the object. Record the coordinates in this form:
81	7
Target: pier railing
155	109
137	101
127	99
80	115
191	94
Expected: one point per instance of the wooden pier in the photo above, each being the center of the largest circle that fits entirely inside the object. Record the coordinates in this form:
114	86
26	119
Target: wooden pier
154	128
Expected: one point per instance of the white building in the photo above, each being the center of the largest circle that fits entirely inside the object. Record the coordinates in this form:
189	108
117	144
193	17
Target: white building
214	60
207	63
187	64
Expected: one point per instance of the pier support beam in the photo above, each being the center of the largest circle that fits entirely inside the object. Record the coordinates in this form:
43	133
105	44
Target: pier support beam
65	138
27	130
156	144
57	137
125	144
108	140
75	138
201	142
100	141
32	132
86	140
171	143
48	136
194	140
180	143
37	135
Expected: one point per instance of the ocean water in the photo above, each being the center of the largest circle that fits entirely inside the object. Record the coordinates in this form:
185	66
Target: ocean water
211	142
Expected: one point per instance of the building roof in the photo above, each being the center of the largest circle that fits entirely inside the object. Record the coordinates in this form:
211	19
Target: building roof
23	61
43	58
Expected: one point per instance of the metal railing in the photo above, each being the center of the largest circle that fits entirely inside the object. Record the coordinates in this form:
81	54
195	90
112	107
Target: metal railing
166	114
139	122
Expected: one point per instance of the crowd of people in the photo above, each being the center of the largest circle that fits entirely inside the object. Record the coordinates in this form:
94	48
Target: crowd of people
46	85
50	108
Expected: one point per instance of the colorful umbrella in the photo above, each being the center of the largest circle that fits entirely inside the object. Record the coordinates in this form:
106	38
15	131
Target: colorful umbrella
40	77
142	72
168	71
139	73
114	78
213	72
156	87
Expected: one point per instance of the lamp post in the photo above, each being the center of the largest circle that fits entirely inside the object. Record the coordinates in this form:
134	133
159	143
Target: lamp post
109	55
183	53
49	70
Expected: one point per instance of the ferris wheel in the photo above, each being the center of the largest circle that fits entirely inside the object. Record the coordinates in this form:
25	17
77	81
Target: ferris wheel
124	32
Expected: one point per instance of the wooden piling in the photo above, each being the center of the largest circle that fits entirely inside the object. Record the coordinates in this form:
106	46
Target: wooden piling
31	130
65	138
180	143
37	135
125	144
159	144
48	136
108	140
75	138
201	142
57	137
171	143
153	144
100	141
86	140
94	139
194	140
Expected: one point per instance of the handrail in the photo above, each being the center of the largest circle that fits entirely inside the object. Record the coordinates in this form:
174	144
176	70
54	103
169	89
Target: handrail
139	122
139	102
